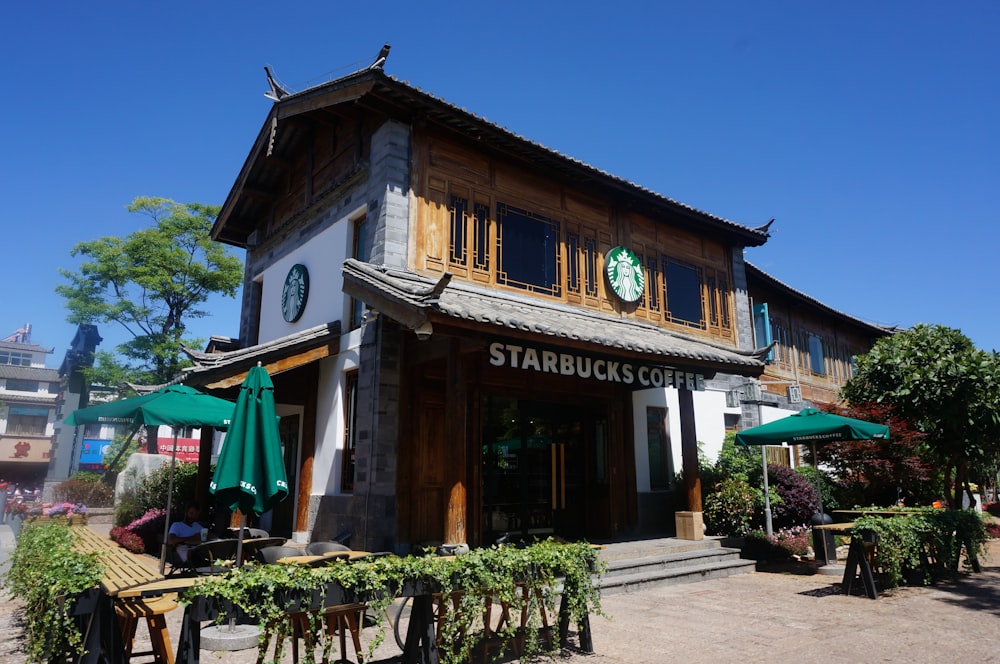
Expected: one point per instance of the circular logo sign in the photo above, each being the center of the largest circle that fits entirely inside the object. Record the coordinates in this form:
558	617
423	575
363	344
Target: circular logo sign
294	293
625	274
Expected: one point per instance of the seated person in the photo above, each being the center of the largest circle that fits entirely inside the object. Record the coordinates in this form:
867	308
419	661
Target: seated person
184	534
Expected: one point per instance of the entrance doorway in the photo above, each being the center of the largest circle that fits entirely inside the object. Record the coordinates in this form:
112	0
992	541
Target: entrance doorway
545	469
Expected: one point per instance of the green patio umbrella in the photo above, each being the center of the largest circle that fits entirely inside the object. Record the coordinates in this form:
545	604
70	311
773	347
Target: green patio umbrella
250	473
174	406
809	426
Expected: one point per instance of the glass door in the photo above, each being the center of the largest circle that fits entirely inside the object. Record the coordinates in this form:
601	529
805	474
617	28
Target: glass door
541	462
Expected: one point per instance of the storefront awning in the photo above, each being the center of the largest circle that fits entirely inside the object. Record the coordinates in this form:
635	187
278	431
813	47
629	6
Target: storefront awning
419	303
228	369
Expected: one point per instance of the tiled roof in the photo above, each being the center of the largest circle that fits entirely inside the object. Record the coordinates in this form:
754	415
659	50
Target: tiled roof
24	348
243	358
754	271
29	373
239	215
414	300
40	399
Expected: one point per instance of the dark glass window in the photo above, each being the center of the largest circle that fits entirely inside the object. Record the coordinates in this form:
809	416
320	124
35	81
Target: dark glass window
17	385
683	291
527	246
360	252
661	464
816	363
350	432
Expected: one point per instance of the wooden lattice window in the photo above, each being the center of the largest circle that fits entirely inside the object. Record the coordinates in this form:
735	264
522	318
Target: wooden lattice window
572	262
652	283
457	251
590	265
481	237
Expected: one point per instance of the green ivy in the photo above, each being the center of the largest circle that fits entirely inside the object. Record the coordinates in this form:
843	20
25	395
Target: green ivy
525	579
48	575
925	539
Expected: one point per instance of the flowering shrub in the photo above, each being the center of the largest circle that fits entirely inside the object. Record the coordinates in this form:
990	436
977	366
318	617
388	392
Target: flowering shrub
799	500
993	529
149	527
795	540
128	539
30	510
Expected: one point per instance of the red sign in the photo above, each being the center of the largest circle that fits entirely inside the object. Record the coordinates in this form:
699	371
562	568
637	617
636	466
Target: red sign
187	448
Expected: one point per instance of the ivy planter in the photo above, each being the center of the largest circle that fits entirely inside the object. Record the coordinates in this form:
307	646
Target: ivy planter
85	603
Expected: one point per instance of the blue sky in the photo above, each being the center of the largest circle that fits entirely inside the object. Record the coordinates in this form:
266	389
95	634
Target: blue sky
868	129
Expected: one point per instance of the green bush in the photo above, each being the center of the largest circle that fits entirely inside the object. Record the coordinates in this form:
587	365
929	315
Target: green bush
925	539
47	574
150	492
86	488
729	509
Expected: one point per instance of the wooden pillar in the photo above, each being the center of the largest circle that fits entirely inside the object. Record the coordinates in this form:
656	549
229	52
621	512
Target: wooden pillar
689	523
307	449
455	450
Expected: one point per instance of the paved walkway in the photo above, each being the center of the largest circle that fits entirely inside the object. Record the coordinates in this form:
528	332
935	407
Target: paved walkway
757	617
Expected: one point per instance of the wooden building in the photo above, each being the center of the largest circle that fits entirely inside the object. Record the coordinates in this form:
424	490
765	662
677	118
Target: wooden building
471	334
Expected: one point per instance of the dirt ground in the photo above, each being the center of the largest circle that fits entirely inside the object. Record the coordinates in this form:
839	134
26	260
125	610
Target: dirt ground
756	617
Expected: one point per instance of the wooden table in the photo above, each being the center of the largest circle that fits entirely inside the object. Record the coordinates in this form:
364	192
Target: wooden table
123	571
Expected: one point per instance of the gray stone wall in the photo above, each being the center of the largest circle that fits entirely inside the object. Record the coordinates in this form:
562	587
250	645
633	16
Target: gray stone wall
389	194
741	302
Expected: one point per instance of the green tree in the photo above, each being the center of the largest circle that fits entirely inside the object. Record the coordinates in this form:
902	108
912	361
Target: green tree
151	283
934	377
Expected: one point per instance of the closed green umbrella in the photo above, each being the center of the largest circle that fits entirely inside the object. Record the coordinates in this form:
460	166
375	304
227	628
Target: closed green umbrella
250	473
809	426
175	406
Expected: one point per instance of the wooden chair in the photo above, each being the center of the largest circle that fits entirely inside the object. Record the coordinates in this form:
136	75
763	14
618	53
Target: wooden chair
272	554
319	548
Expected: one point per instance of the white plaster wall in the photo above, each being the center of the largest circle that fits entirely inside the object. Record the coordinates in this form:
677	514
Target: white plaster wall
710	426
323	256
329	453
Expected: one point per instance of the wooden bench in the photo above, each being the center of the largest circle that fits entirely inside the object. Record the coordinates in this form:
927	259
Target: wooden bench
123	571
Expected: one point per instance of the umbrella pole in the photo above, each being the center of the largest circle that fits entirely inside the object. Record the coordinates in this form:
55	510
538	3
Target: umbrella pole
170	493
767	495
239	556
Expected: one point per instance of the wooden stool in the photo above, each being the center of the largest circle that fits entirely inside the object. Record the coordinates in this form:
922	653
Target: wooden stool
152	609
338	620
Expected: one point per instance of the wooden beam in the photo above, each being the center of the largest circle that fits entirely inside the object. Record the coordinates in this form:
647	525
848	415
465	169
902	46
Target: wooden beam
276	366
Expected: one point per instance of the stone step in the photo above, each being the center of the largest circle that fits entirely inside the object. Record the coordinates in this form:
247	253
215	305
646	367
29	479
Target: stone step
625	583
662	561
632	565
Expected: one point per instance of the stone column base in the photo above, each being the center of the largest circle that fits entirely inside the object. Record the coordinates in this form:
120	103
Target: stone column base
689	525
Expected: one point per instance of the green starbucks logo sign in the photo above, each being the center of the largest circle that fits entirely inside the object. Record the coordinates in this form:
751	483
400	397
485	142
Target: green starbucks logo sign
625	274
294	293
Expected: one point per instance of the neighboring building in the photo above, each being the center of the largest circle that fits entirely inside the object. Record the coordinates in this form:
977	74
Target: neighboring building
28	394
813	352
428	291
75	392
